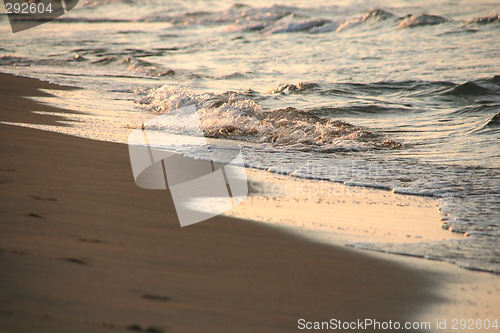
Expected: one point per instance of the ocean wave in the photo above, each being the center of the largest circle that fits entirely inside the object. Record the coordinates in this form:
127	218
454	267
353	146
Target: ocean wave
146	68
286	19
232	116
327	27
328	111
493	17
254	19
421	20
487	87
26	62
302	25
477	110
406	89
290	19
494	121
280	19
301	88
374	14
105	60
495	79
378	14
9	60
459	31
277	18
469	88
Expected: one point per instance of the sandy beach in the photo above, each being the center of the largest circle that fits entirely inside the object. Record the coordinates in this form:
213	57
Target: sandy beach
83	249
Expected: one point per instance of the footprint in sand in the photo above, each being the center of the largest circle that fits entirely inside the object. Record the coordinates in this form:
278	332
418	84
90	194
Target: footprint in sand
93	241
80	261
138	328
35	215
156	297
37	197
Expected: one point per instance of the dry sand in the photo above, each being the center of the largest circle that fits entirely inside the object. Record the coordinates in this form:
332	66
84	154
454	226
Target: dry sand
83	249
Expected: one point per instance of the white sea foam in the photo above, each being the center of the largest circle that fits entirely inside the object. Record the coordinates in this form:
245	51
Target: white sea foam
246	120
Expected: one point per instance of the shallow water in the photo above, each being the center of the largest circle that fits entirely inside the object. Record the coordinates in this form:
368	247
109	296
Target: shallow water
409	103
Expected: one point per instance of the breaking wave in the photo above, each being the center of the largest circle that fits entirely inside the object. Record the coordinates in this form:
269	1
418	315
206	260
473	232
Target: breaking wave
234	116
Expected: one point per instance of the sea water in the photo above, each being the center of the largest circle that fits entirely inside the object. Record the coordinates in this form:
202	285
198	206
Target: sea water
399	95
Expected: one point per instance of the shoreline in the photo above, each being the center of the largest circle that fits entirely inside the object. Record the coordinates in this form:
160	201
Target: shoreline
94	251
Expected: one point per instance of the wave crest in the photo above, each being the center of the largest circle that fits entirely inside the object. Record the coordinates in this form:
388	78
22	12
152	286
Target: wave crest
469	88
421	20
493	17
494	121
